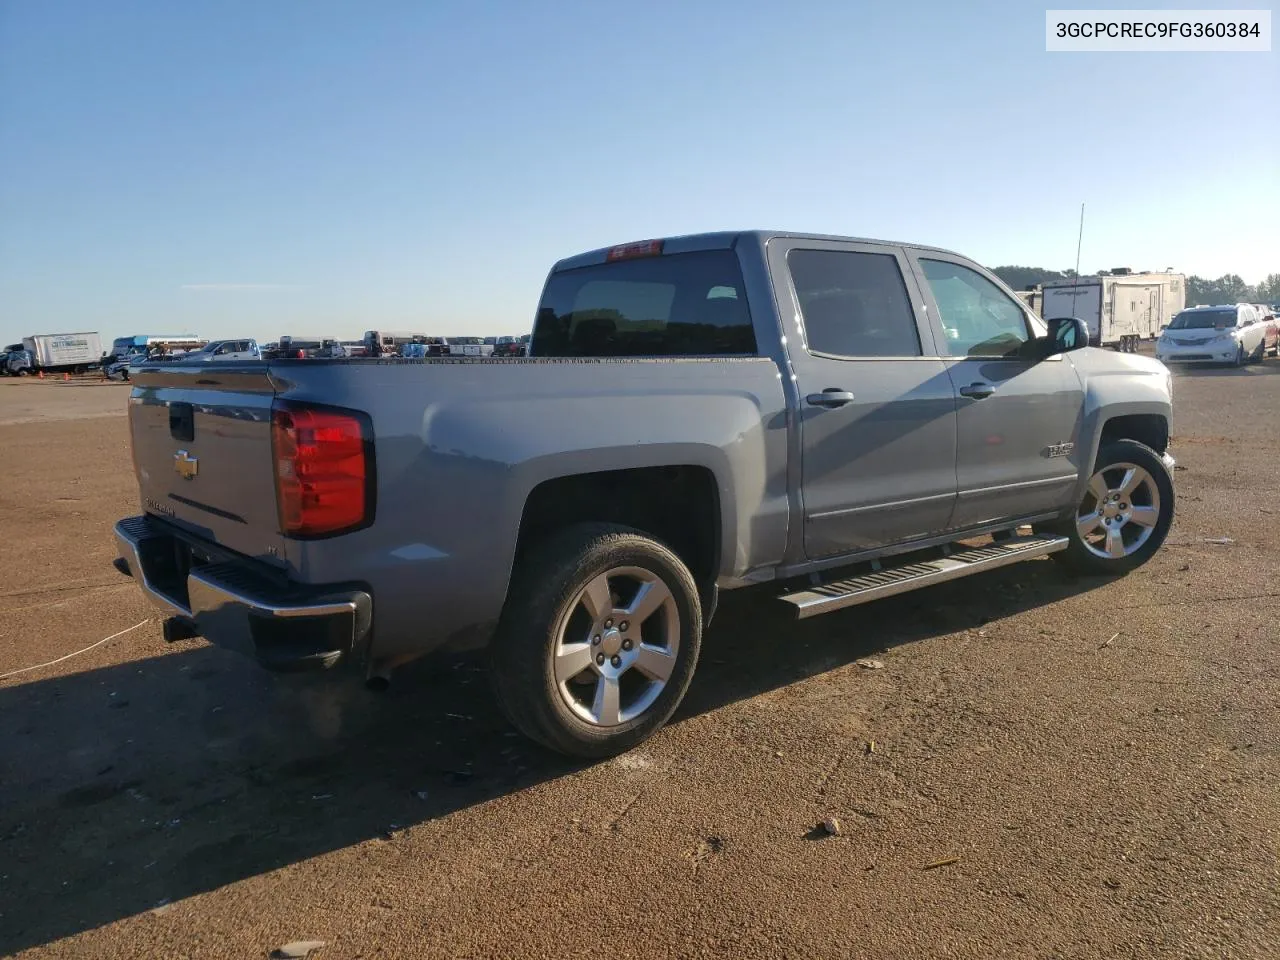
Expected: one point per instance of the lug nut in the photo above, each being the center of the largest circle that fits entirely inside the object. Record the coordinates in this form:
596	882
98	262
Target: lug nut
626	644
608	623
600	659
595	641
623	626
616	660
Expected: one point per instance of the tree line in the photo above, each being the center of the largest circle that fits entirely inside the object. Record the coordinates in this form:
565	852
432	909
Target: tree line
1228	288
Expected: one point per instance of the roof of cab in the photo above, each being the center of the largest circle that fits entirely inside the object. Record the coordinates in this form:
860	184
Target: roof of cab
727	240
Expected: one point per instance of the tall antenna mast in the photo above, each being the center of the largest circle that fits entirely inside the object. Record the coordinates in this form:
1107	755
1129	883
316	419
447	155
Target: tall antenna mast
1079	243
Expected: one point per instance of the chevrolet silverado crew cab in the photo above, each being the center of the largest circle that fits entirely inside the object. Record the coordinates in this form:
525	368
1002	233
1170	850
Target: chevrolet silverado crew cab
836	419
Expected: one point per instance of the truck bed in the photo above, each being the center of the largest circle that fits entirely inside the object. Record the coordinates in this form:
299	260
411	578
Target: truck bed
459	445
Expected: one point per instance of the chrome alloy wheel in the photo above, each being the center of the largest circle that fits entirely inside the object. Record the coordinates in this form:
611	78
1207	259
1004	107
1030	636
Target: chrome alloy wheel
616	646
1119	511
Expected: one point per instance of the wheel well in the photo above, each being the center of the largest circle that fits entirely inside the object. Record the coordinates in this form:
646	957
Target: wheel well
677	504
1149	428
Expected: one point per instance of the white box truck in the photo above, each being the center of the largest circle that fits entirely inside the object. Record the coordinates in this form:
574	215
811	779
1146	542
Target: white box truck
55	353
1120	307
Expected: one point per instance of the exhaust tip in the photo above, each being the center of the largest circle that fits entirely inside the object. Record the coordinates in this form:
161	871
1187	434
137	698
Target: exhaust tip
179	628
378	683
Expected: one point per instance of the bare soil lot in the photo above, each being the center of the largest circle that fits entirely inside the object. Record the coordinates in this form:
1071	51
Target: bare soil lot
1094	763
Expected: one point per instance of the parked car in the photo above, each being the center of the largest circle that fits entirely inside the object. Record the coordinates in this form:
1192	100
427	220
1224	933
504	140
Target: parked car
1231	334
509	347
227	350
469	347
307	347
844	417
388	343
1271	329
124	369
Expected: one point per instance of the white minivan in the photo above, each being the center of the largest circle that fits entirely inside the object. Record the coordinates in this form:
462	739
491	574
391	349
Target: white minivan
1232	333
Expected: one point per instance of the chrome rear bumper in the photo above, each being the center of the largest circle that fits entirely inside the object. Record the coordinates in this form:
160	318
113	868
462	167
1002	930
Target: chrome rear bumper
285	626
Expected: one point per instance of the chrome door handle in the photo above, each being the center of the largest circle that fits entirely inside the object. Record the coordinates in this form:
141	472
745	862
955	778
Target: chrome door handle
830	397
977	391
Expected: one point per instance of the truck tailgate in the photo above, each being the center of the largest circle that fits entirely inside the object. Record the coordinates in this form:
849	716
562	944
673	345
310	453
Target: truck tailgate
202	453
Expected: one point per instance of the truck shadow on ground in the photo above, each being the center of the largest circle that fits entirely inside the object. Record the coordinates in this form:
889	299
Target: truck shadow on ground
1268	367
147	782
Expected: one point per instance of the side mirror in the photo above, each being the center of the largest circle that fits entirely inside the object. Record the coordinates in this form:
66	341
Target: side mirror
1066	334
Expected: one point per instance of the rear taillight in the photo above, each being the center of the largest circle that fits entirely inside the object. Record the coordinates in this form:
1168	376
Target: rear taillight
324	469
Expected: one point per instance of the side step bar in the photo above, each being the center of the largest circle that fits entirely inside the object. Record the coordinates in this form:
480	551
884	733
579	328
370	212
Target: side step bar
888	581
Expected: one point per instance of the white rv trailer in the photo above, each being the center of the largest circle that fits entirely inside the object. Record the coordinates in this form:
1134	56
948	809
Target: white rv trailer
1119	307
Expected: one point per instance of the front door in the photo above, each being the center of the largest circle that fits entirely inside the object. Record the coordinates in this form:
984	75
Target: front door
1017	418
877	418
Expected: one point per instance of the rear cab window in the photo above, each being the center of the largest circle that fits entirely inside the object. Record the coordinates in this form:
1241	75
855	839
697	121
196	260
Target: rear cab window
672	305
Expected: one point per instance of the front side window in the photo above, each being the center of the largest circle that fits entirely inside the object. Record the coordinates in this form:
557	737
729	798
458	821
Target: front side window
854	304
979	319
684	304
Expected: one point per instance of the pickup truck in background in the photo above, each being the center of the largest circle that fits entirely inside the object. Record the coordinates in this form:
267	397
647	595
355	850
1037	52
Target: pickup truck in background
837	419
226	351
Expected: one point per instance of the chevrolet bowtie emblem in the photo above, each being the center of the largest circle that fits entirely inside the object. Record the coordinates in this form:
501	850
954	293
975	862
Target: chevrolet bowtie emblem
186	465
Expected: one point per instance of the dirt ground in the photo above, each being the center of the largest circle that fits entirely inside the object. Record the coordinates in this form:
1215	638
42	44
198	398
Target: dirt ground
1089	767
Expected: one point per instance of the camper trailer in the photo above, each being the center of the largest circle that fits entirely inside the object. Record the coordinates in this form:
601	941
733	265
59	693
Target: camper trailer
1120	307
1033	297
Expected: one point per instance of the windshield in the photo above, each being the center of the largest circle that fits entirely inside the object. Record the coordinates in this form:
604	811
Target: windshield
1203	319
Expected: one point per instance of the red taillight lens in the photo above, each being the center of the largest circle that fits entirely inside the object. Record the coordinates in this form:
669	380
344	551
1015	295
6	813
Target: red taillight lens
324	470
629	251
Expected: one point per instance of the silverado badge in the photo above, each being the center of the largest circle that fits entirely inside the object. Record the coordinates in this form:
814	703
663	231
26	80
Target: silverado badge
1059	449
186	465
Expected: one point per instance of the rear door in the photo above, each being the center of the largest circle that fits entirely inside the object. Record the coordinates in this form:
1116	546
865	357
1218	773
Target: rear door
877	420
1017	419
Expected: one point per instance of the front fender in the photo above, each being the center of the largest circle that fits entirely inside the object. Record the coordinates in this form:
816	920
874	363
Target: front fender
1117	385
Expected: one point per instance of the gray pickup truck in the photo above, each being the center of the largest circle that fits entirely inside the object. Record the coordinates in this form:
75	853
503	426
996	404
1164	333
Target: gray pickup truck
842	419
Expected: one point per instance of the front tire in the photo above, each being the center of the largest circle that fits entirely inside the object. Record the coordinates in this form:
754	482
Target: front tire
1125	513
598	640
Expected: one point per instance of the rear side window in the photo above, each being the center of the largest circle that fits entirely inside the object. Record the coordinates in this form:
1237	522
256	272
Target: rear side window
854	304
684	304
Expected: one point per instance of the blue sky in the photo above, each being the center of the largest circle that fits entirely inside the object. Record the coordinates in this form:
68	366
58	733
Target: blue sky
322	167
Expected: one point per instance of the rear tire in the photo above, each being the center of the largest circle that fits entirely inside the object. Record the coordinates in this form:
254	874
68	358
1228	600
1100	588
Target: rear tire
598	640
1125	513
